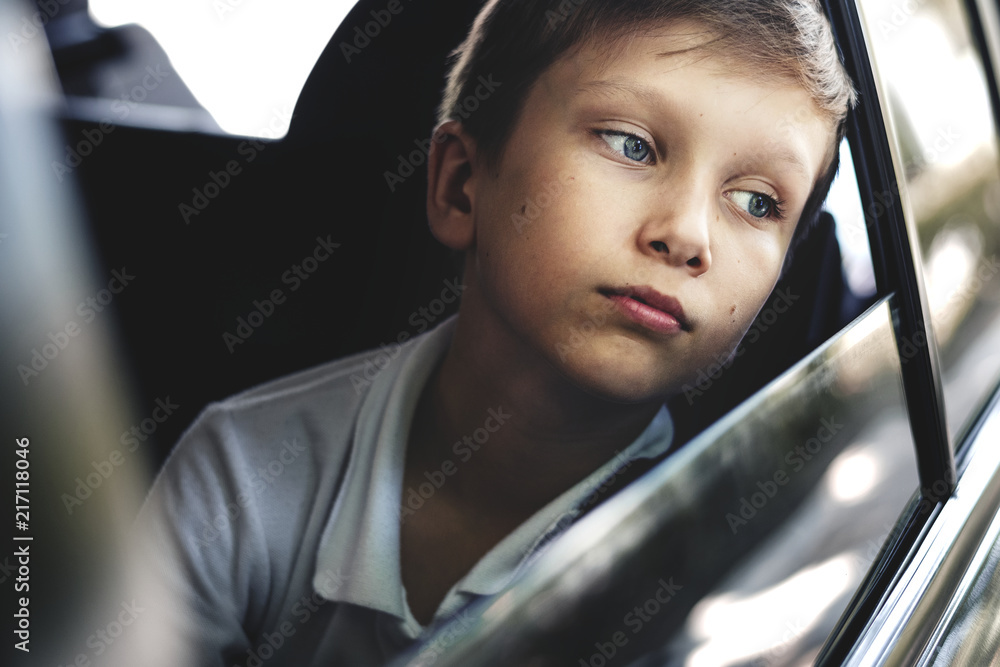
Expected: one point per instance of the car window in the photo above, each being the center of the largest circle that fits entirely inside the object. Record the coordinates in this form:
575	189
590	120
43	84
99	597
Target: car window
938	101
743	548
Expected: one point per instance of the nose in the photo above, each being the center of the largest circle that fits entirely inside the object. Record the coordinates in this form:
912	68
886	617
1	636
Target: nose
676	229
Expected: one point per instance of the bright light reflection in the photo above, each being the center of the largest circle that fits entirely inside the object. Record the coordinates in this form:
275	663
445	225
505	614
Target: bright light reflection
736	628
943	96
851	477
245	61
844	203
949	269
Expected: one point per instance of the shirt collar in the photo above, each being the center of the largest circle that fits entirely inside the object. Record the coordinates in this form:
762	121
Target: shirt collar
361	536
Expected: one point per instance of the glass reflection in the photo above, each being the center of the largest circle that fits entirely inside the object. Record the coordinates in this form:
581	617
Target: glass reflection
789	593
939	104
766	523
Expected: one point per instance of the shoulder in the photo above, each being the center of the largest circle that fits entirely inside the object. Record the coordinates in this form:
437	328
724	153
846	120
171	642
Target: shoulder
311	414
238	495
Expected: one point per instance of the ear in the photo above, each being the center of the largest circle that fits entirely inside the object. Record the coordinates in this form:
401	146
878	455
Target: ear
450	186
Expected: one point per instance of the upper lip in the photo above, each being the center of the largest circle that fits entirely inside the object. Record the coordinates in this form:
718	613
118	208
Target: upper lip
650	297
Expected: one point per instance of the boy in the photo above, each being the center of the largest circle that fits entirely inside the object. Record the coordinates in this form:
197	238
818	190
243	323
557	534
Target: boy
624	198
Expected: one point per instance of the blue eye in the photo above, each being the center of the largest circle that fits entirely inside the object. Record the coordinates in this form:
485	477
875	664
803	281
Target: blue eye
756	204
633	147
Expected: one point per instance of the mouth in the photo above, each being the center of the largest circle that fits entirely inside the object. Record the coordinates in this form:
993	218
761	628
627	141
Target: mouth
651	309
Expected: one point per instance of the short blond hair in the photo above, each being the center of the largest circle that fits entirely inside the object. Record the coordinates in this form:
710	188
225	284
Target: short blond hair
514	41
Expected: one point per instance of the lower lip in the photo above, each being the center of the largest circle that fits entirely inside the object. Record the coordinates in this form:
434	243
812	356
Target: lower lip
647	316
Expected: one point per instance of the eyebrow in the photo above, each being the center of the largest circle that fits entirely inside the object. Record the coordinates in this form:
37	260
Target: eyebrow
652	97
786	156
618	86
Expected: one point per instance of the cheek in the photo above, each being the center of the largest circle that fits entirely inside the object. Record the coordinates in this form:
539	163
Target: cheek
517	250
757	269
539	225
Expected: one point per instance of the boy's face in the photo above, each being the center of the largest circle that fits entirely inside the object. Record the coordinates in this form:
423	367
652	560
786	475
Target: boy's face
641	211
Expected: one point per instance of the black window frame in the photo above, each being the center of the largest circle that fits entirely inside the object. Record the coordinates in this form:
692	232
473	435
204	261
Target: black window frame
897	260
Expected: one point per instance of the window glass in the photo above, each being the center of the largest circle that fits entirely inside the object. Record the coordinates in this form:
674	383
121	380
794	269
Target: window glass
743	548
780	602
938	100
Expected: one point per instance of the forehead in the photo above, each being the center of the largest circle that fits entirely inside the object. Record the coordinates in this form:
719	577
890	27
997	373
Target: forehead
683	74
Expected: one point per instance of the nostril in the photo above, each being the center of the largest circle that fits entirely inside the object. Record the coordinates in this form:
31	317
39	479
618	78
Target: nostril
659	246
694	262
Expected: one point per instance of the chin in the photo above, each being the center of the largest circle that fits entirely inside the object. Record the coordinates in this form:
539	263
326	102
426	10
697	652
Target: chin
614	383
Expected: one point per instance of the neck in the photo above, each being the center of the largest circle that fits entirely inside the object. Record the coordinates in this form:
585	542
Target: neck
518	432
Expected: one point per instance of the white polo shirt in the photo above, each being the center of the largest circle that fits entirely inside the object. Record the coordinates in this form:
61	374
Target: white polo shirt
276	520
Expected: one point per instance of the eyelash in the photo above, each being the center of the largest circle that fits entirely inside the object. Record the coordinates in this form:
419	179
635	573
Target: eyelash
776	209
775	206
606	134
